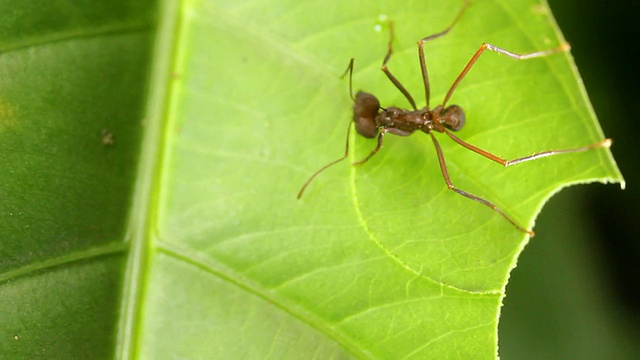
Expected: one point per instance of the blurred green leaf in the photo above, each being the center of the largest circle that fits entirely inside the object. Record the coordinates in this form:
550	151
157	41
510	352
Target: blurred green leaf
183	237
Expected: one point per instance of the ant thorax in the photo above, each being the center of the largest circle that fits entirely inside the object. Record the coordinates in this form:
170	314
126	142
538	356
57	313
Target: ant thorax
404	122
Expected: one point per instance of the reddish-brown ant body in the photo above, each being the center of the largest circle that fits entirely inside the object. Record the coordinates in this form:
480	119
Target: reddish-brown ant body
372	120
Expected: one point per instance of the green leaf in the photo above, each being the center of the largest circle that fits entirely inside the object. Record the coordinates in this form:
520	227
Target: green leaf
151	161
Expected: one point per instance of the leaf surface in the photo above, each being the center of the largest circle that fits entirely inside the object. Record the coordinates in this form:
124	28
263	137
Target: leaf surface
185	237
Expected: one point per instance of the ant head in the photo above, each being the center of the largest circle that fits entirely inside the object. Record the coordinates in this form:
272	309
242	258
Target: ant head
453	117
365	110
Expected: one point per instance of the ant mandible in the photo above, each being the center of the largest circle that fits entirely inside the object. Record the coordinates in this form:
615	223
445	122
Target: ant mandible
372	120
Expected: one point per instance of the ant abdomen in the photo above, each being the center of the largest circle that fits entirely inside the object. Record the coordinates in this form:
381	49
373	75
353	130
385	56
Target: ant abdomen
365	110
454	117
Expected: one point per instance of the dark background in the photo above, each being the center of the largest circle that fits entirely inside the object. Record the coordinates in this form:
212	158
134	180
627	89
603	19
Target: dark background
576	291
606	40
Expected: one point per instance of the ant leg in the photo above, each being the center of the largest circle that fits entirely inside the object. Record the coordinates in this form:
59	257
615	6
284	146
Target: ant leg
374	151
346	153
504	162
350	71
423	63
486	46
393	79
447	179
